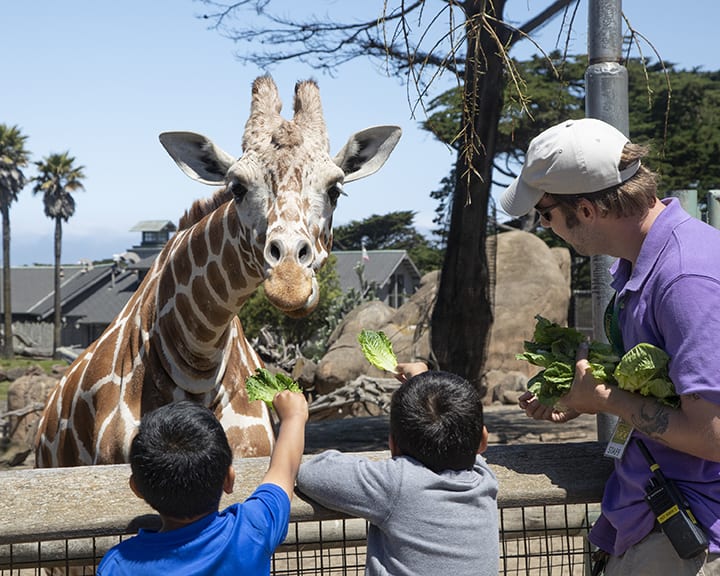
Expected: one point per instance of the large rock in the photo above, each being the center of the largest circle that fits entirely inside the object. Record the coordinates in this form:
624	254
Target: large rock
26	396
531	279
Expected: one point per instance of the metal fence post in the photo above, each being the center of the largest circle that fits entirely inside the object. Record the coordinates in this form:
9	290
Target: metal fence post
713	208
688	200
606	90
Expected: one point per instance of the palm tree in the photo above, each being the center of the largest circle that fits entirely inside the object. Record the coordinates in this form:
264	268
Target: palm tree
13	157
57	178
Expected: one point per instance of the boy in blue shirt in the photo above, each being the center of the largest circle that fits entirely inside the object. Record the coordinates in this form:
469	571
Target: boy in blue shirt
181	464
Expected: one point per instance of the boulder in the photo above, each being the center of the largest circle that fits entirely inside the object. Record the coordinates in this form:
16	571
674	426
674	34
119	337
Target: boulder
531	279
26	397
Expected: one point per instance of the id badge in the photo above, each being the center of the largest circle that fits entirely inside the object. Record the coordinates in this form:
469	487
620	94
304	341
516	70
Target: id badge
619	440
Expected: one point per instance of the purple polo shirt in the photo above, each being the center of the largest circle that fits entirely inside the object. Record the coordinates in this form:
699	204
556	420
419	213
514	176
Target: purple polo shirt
672	300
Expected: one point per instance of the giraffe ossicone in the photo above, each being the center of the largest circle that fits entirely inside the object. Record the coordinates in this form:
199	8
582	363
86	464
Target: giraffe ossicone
179	337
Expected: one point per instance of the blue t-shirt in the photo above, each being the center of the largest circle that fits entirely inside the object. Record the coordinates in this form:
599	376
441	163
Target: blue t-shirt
669	299
239	540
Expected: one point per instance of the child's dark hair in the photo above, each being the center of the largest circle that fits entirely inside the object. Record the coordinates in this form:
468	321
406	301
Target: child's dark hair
437	418
179	460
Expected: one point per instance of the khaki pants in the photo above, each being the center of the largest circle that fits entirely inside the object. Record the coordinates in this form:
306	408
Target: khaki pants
655	556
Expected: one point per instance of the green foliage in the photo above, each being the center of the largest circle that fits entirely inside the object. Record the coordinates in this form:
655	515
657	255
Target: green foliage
554	89
675	111
336	311
13	157
643	369
554	348
57	179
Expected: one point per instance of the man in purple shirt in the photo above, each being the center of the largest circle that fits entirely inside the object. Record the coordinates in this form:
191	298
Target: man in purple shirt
586	181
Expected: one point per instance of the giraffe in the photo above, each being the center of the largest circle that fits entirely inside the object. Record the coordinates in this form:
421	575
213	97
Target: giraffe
179	336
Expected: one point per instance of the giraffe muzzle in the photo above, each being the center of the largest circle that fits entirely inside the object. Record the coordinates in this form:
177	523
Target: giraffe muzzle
292	289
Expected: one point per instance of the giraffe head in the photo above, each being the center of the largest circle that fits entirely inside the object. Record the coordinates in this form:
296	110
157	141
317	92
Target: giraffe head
285	186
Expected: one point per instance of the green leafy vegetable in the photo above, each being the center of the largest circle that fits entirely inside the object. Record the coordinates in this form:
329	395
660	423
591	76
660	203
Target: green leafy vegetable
554	348
263	385
378	350
642	369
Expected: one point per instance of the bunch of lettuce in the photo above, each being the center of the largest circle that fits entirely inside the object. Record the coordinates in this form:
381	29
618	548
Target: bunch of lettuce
263	385
643	369
378	350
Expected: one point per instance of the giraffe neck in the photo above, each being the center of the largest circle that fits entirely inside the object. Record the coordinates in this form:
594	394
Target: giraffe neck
211	269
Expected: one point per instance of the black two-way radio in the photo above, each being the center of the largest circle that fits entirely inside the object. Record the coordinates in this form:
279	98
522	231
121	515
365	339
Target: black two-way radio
672	511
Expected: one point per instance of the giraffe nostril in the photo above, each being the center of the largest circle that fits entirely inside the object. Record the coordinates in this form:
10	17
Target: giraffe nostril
304	253
275	252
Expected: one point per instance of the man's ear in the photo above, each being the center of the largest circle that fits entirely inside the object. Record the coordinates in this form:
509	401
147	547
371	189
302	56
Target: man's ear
586	209
229	482
483	442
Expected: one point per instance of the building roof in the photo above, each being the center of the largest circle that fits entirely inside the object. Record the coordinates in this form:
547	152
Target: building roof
379	266
33	287
154	226
102	306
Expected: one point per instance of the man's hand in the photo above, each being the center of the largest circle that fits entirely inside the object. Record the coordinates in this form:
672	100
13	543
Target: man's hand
533	408
566	409
587	395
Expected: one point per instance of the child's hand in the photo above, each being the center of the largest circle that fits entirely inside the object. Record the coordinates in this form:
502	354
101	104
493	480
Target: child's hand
407	370
290	405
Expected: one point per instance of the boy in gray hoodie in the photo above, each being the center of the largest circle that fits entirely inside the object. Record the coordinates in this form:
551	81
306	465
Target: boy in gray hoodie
432	506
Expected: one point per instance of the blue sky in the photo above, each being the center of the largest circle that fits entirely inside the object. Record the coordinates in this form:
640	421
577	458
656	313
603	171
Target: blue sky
102	79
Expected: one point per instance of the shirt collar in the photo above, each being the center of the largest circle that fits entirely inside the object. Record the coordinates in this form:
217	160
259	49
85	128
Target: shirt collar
626	277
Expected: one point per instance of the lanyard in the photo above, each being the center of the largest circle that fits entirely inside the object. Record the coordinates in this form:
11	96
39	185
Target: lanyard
612	327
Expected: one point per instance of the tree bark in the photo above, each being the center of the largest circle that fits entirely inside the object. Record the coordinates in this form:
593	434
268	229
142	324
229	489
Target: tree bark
463	314
7	349
57	305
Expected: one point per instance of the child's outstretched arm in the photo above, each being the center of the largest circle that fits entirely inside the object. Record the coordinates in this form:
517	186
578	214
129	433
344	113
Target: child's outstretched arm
292	410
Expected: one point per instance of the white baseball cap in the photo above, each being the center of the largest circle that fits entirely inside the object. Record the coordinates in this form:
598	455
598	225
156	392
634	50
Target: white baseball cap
573	157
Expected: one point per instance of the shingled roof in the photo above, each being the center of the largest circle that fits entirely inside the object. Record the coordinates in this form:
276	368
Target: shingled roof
379	266
33	287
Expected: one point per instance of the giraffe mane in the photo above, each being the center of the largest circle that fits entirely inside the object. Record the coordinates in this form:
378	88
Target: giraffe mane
203	207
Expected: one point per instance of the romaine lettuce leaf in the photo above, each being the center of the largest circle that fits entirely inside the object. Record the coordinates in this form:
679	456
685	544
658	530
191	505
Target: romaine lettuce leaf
378	350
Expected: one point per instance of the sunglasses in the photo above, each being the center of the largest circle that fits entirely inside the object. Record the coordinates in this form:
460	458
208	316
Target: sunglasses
546	211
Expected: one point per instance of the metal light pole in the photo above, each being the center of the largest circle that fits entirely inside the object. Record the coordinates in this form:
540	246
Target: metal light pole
606	98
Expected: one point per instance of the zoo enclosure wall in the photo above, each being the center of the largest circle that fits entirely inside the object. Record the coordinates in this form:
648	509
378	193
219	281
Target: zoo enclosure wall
549	494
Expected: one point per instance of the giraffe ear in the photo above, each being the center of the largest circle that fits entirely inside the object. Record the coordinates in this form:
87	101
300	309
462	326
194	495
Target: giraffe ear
198	156
366	151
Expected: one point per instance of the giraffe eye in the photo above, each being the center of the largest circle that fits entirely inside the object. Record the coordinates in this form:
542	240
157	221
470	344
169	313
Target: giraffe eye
334	192
237	189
